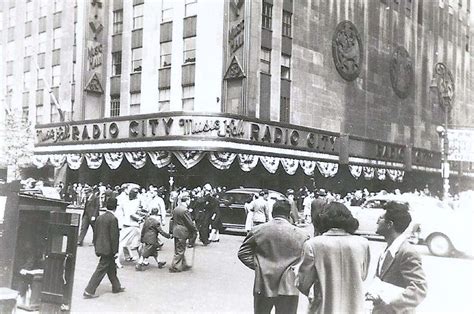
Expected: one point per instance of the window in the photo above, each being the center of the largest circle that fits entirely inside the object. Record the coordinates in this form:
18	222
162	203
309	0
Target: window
190	8
26	100
265	60
42	42
39	114
40	79
57	34
27	64
138	16
26	80
29	11
11	17
1	20
115	106
9	87
267	15
284	109
118	21
56	75
9	68
28	46
135	103
164	99
167	11
189	50
188	98
116	63
54	114
58	5
286	24
137	59
11	34
285	67
42	8
165	54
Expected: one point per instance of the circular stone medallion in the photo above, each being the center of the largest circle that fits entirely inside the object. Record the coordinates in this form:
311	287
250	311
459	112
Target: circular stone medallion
401	72
347	50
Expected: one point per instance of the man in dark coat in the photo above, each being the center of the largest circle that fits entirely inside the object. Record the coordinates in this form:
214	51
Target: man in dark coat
91	211
273	249
106	242
207	206
317	205
183	229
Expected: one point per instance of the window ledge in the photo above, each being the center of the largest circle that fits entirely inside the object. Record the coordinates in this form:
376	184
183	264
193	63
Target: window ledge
285	79
286	36
116	75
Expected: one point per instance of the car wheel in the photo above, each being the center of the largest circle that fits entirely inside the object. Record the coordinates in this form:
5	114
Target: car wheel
440	245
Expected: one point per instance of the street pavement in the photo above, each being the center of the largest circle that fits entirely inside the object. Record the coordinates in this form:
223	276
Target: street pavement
219	283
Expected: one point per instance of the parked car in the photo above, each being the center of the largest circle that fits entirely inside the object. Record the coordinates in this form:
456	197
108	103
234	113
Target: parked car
231	204
434	223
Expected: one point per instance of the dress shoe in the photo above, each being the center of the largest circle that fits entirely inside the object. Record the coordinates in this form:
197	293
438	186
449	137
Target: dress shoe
190	245
139	267
130	259
88	295
121	289
161	264
174	270
187	267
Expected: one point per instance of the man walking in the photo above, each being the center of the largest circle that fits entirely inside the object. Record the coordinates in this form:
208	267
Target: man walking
91	211
260	208
272	250
317	205
399	268
183	229
106	242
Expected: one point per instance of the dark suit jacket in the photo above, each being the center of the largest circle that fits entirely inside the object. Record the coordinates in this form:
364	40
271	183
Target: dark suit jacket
91	208
183	226
106	235
272	249
405	271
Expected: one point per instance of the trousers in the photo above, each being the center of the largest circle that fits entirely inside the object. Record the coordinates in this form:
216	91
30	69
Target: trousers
179	260
85	223
284	304
106	266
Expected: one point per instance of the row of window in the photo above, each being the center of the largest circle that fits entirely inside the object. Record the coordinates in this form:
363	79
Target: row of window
163	101
267	19
12	18
265	63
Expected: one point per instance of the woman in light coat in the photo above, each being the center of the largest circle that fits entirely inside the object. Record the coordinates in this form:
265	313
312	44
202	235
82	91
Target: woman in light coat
335	262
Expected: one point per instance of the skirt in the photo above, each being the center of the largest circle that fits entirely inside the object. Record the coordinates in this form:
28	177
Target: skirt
249	221
130	237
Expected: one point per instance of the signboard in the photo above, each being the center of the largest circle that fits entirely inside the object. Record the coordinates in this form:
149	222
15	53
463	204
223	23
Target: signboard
461	145
161	127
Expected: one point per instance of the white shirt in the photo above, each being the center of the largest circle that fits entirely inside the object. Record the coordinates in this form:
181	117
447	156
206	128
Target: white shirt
393	249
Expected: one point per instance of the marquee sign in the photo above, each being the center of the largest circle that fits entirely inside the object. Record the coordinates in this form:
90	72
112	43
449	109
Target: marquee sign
153	127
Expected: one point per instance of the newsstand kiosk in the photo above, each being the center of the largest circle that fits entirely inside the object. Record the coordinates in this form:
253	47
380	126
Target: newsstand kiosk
37	251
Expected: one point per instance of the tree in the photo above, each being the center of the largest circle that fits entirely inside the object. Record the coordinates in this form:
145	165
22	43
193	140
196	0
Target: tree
19	143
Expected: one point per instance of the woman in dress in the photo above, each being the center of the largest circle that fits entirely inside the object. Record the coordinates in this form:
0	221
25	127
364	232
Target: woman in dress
335	263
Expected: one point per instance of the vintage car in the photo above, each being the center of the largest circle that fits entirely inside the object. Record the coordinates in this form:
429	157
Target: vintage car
434	223
231	204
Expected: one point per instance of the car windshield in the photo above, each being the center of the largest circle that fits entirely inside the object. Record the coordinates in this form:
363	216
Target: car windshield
236	198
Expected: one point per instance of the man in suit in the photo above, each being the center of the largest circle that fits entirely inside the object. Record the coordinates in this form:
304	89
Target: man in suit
273	249
260	208
106	242
91	211
183	229
317	205
399	265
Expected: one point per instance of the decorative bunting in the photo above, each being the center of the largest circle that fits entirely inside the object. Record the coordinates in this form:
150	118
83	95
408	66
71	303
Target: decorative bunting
40	160
247	162
308	166
355	170
74	161
57	160
221	160
189	158
381	174
270	163
113	160
160	158
396	175
327	169
369	172
136	159
290	165
94	160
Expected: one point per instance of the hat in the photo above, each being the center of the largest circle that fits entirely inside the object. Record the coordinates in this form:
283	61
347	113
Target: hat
321	192
207	187
263	192
290	192
111	203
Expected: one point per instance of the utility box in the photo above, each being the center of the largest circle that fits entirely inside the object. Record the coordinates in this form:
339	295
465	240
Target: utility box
37	249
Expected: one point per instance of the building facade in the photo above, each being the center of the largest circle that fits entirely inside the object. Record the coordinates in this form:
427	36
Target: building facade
336	84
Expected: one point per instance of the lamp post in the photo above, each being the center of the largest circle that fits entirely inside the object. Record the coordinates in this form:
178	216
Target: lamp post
171	170
442	92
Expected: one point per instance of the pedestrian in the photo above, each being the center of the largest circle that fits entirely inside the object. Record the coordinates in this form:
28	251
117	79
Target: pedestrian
272	250
294	216
106	242
317	206
307	206
183	229
335	263
91	212
260	209
248	206
149	238
130	233
216	224
399	269
207	206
